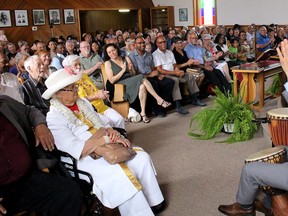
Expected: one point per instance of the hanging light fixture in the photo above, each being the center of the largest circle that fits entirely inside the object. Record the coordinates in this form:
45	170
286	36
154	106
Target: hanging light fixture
124	10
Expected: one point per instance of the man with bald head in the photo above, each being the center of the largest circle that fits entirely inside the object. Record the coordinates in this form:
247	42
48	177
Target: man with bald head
165	63
91	64
263	42
194	51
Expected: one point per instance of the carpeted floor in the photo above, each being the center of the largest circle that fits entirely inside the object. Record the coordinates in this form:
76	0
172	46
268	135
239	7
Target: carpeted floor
195	176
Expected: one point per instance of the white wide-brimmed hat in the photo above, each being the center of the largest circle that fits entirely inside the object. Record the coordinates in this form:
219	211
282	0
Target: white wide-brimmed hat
58	80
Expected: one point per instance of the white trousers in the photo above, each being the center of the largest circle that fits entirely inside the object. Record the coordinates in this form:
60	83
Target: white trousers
151	195
113	118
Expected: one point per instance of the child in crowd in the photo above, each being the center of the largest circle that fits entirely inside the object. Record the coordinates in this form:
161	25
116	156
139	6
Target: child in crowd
234	50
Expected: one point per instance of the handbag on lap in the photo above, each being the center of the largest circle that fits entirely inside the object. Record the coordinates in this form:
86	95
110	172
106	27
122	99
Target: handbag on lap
113	153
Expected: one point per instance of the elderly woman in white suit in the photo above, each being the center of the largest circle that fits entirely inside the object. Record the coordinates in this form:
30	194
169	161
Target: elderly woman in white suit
131	186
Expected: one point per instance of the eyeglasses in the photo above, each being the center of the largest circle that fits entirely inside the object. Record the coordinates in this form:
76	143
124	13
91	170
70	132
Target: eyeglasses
74	89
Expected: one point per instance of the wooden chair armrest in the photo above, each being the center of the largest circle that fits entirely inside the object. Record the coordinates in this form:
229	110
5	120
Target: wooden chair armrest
119	92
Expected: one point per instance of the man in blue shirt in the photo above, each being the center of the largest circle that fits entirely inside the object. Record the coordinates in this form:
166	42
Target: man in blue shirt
194	51
143	63
263	42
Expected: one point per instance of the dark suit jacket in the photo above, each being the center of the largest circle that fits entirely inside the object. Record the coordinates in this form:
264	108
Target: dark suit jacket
23	117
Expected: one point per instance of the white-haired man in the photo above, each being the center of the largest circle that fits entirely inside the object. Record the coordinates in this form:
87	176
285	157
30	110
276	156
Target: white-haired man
91	63
32	89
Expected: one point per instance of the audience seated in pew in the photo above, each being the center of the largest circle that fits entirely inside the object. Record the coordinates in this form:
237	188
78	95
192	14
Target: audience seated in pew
59	57
90	64
143	64
34	86
87	89
215	76
246	52
263	42
220	45
121	70
211	57
183	62
165	63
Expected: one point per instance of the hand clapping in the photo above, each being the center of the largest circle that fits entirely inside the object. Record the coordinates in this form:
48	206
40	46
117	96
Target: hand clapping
103	94
283	55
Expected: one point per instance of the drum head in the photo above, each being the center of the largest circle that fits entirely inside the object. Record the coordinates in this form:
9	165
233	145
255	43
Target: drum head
280	113
265	153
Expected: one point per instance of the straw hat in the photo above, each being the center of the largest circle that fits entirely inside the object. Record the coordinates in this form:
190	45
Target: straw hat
58	80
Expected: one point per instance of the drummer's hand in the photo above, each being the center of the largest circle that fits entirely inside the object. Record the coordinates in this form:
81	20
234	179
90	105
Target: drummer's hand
283	55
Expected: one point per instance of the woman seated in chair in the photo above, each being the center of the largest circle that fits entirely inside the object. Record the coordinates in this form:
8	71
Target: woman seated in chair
132	185
87	89
121	70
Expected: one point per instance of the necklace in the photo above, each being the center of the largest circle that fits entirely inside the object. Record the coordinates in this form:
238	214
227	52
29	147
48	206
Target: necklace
84	110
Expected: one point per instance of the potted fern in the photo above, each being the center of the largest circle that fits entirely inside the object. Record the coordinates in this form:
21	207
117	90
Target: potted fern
225	109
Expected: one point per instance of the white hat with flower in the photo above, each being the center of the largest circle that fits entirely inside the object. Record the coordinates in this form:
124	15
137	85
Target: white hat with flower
58	80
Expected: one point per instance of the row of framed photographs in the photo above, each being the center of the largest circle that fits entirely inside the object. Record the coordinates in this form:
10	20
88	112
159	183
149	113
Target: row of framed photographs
21	17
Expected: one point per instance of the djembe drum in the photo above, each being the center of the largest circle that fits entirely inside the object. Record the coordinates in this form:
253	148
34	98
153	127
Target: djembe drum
278	126
276	154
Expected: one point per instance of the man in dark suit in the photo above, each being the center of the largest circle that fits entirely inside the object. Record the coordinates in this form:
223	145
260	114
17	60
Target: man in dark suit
55	19
22	186
69	18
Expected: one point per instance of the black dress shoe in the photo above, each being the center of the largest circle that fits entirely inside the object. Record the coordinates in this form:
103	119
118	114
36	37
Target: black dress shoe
181	110
197	103
159	208
236	210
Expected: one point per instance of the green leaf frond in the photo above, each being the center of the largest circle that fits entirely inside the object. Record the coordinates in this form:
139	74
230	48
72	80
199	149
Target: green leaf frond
226	108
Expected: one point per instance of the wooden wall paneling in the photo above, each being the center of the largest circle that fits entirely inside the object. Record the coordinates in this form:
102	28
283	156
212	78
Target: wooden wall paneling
15	34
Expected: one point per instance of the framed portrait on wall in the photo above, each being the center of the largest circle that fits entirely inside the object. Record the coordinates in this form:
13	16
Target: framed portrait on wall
69	16
21	17
183	14
38	17
54	17
5	18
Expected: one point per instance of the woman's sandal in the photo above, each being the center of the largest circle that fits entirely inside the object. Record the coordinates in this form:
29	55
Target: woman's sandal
145	119
165	104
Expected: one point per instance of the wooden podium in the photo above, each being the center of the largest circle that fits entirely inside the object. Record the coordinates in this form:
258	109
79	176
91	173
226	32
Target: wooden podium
252	73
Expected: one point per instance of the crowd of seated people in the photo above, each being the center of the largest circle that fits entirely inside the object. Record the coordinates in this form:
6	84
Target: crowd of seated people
155	62
216	48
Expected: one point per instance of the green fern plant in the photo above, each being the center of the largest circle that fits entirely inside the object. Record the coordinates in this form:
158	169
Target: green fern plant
226	108
275	86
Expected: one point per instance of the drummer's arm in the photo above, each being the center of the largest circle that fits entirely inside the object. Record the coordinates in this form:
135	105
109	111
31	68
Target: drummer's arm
283	57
